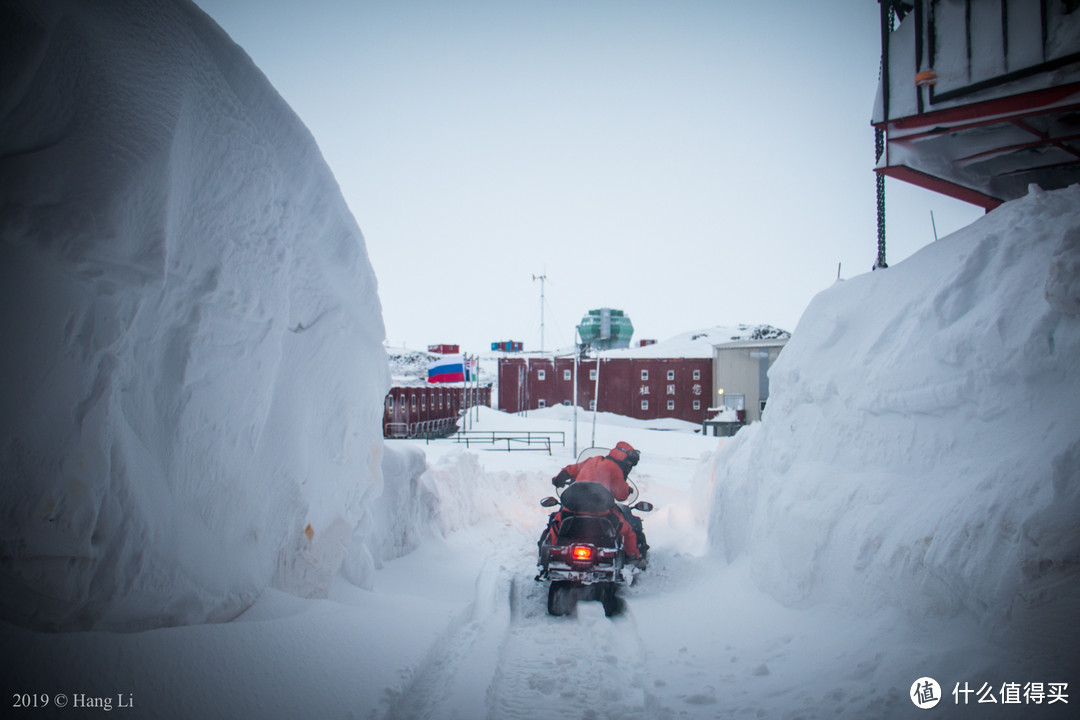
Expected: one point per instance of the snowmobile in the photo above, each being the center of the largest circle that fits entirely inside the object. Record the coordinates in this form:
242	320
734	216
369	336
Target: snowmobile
581	550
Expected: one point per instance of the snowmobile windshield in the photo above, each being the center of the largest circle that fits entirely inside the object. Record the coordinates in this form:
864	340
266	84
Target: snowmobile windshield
592	452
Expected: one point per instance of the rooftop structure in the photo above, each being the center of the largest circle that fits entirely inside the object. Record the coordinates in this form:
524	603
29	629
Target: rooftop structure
977	100
605	329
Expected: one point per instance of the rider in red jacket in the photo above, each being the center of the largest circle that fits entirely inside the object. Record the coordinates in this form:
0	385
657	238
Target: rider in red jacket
611	471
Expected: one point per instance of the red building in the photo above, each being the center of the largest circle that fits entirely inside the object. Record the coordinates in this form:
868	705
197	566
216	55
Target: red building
645	388
429	411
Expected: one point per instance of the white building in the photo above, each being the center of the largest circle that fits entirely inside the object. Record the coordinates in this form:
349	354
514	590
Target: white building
741	375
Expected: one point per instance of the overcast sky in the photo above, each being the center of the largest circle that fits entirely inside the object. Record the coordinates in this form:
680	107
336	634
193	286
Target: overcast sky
691	162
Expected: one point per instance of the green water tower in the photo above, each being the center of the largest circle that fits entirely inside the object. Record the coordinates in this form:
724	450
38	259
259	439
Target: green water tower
605	329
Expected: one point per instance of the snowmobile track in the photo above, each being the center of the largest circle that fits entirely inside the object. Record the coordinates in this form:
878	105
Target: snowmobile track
585	664
504	657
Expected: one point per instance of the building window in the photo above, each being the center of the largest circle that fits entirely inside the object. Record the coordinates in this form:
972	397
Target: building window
670	404
390	403
541	403
414	403
671	389
697	404
697	374
670	374
566	375
592	374
423	402
644	404
541	374
644	374
592	405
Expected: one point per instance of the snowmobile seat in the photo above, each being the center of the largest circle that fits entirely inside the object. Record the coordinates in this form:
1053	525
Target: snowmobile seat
587	497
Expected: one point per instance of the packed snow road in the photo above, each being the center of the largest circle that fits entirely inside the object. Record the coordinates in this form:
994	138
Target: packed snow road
505	657
698	638
695	639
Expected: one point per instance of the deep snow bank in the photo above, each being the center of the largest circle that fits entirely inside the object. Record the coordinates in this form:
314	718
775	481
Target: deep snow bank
193	373
921	444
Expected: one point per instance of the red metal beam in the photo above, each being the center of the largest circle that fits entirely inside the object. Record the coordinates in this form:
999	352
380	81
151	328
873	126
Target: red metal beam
940	185
1058	142
940	130
1038	102
1025	146
1038	168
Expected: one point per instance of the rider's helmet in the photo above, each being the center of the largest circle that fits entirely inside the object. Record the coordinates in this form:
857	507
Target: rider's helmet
624	453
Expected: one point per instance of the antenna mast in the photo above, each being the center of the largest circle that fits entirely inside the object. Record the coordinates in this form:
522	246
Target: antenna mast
541	278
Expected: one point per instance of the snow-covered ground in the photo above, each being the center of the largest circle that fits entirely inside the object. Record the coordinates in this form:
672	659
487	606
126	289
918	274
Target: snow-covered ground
201	520
458	628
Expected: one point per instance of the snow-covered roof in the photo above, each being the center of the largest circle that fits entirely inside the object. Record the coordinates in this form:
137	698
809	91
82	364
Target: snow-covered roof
699	343
769	343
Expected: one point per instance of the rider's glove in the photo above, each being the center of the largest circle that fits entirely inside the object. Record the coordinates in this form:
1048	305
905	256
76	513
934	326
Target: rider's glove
561	479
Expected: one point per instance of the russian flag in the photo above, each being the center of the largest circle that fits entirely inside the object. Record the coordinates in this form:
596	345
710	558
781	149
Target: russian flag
451	368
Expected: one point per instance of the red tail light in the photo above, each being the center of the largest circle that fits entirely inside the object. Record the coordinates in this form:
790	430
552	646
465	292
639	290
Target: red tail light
582	552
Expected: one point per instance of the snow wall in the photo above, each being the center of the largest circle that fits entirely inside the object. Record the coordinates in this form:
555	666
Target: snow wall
193	376
921	446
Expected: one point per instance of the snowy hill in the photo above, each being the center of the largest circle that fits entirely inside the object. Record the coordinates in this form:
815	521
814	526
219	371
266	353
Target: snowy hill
192	375
920	448
408	367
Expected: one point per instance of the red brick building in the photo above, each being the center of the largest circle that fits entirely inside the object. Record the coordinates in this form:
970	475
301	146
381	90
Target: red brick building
638	387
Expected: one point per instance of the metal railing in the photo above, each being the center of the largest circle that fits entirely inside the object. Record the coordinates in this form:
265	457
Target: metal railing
515	439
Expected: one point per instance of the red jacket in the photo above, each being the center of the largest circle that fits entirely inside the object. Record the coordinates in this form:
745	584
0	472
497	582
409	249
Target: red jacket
607	472
601	470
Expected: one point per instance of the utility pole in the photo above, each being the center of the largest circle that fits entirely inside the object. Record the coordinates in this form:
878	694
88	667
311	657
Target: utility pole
575	400
577	362
541	278
476	386
596	399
